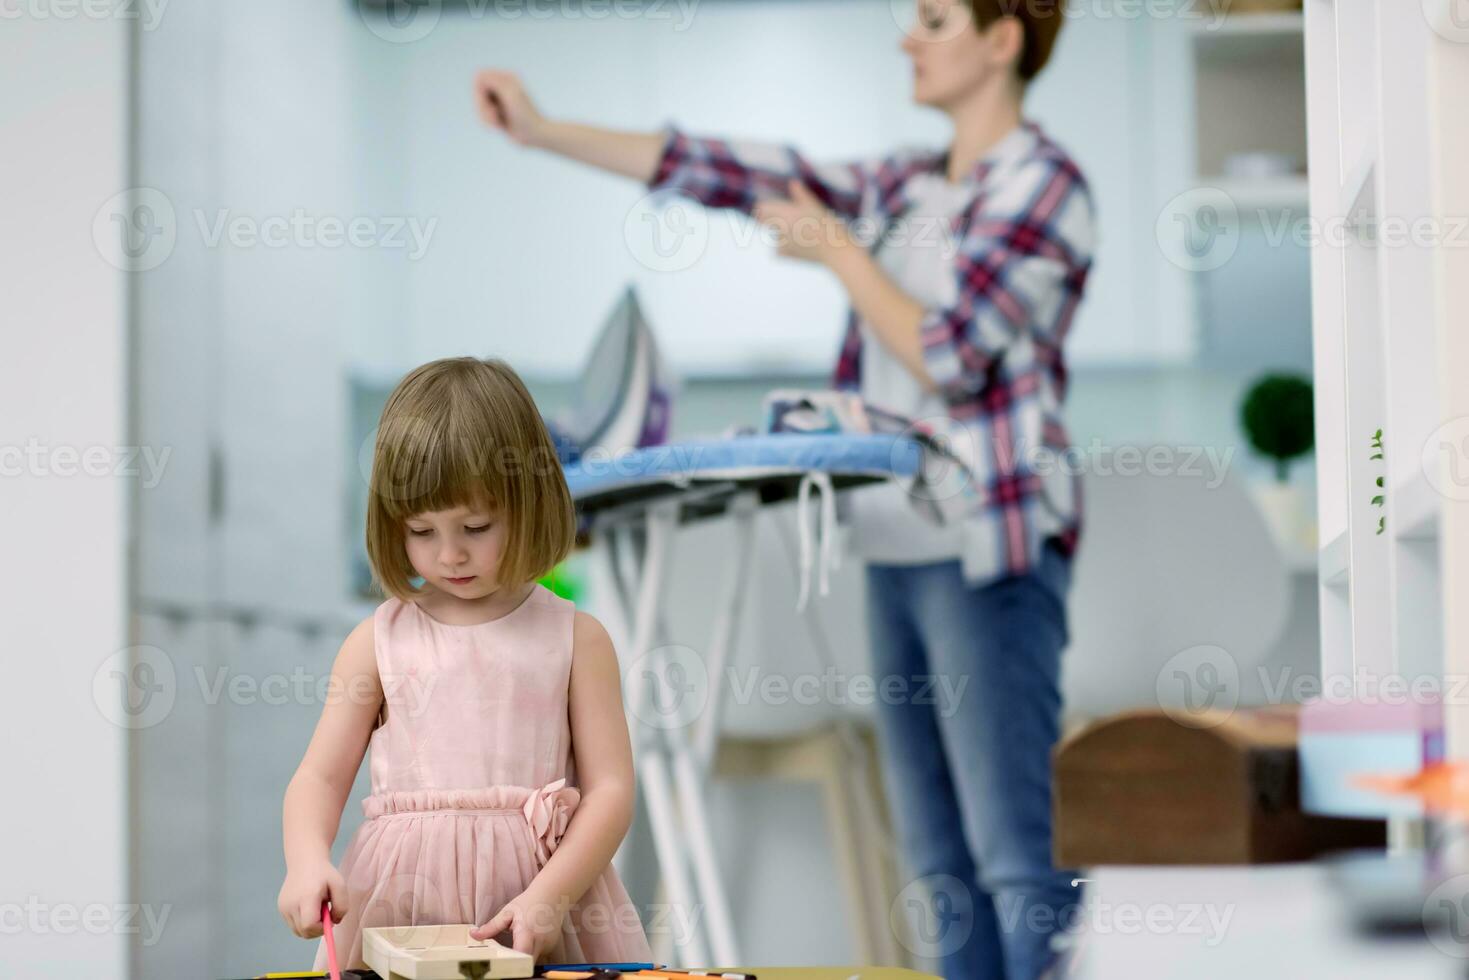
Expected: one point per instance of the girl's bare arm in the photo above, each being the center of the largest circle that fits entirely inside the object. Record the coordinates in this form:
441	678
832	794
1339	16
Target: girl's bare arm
603	766
319	789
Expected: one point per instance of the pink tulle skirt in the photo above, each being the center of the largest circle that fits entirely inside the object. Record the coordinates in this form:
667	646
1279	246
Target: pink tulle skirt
430	857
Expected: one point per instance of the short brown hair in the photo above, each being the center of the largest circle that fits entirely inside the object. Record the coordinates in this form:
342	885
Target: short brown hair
1040	22
465	432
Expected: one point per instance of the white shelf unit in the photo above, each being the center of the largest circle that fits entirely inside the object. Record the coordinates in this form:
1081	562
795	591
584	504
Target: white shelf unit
1384	154
1241	90
1249	85
1241	28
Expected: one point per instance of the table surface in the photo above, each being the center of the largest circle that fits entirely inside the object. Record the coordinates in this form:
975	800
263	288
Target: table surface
832	973
823	972
1254	922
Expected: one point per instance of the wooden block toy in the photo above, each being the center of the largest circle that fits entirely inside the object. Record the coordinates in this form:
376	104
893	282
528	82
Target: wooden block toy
441	952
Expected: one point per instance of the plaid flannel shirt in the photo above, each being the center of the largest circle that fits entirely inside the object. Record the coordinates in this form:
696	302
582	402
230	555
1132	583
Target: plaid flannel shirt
1021	251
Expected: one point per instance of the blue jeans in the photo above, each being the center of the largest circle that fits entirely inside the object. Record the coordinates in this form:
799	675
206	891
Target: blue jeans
968	769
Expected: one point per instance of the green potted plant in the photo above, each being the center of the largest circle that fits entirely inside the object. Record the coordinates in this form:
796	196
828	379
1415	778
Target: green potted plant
1278	420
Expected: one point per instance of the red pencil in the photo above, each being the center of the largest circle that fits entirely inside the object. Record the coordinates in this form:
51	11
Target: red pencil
331	945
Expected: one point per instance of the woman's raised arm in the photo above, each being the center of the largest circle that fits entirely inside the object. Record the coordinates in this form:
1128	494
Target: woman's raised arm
504	105
716	172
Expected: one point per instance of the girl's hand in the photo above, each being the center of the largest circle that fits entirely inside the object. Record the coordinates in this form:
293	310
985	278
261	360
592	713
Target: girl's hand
302	894
534	924
503	105
807	229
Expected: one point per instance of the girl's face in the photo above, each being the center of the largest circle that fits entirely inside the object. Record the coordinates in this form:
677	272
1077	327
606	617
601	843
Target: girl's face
951	59
457	551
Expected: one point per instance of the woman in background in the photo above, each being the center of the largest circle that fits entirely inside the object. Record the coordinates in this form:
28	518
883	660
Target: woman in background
968	322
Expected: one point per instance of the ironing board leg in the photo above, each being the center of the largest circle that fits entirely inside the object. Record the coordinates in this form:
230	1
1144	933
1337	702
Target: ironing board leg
661	942
698	839
674	769
726	630
658	792
650	751
706	865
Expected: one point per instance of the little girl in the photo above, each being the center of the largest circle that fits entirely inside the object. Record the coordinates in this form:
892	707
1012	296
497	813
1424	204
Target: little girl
471	691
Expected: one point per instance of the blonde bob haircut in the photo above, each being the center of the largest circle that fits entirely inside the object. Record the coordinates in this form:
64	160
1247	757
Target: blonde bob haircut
465	432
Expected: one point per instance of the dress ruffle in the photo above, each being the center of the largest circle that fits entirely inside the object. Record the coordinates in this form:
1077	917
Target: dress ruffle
547	809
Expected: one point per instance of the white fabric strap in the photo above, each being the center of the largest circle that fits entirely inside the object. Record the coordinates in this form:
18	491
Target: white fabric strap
830	555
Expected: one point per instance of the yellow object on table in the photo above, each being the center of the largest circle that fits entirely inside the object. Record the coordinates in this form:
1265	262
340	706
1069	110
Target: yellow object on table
774	972
823	972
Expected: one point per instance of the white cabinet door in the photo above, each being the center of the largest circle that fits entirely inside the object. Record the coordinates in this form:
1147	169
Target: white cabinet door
177	787
175	306
286	284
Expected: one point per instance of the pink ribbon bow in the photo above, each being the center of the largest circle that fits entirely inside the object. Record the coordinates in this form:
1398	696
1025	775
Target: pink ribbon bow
548	810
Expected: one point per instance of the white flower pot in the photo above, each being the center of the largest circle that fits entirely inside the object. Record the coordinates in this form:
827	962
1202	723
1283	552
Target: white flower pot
1284	510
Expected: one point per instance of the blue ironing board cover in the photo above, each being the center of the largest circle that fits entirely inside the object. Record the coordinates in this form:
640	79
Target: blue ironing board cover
743	459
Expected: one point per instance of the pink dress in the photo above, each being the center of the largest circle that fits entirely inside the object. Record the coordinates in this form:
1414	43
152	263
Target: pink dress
473	782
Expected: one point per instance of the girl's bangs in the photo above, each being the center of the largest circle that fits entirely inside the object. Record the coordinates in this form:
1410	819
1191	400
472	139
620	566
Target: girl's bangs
443	470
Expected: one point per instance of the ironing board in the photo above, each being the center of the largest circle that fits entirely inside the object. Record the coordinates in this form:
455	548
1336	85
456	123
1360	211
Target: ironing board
633	503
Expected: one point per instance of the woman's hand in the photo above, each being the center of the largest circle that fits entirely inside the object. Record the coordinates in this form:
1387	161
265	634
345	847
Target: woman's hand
504	105
807	229
303	892
534	923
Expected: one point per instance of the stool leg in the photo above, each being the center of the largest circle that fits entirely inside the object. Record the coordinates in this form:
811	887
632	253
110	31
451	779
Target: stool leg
845	840
876	842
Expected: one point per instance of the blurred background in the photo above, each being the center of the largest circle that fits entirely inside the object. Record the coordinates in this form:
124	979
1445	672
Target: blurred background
256	217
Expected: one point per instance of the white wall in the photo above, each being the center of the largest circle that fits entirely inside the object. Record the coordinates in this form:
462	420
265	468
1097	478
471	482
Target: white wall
63	356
